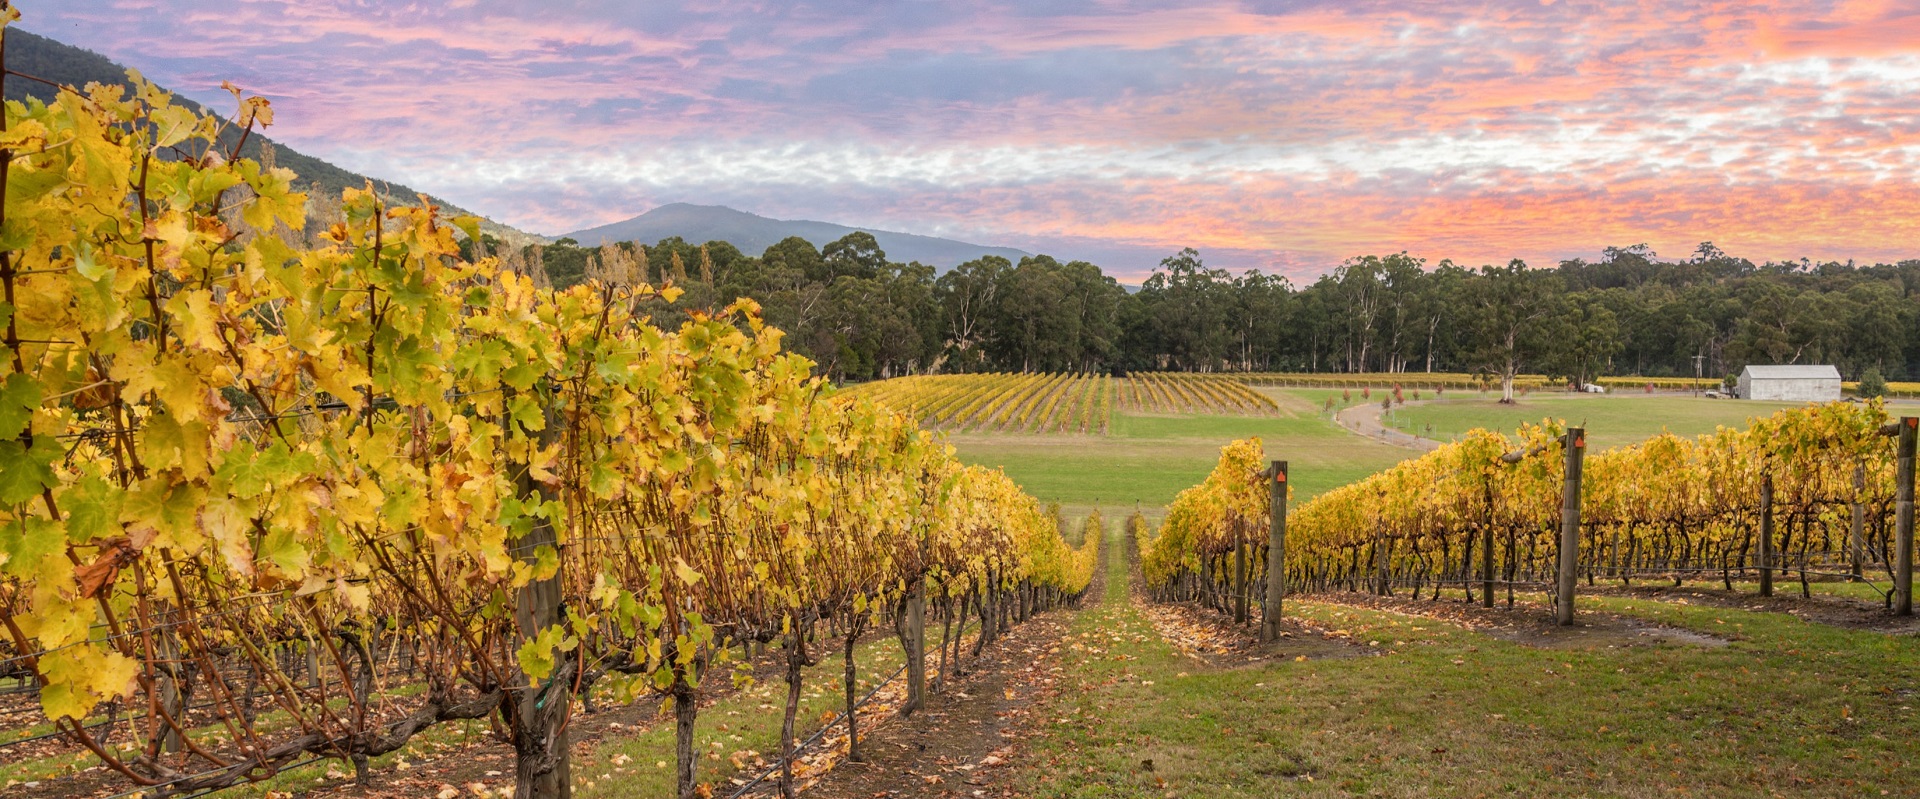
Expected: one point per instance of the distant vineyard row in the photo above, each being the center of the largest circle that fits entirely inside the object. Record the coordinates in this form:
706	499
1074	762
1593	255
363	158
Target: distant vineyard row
1458	381
1409	380
1060	402
1084	403
1462	381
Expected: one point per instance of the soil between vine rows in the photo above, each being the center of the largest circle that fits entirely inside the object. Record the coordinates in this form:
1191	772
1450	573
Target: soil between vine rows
478	760
962	741
958	744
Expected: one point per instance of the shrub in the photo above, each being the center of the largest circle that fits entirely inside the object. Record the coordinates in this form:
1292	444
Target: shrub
1872	383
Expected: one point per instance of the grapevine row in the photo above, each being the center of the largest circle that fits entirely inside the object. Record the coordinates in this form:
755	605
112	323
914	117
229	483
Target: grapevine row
1447	381
1485	512
219	443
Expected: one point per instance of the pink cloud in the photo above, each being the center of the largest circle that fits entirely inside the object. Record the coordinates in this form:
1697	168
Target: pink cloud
1477	133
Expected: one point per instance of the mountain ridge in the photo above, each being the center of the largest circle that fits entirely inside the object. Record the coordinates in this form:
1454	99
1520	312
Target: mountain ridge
52	60
752	234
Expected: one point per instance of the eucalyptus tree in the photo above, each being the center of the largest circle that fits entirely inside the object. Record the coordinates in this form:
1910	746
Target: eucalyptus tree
1507	320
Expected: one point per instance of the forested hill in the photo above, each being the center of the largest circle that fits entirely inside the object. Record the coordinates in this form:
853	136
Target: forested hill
753	233
62	63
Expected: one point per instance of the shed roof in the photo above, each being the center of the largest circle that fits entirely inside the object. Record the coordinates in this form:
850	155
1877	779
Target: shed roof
1792	372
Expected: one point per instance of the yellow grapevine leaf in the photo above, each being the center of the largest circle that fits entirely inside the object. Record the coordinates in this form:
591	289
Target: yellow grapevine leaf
687	574
199	322
80	677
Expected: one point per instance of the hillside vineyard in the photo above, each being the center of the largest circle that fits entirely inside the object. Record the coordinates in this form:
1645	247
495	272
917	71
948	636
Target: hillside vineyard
1058	403
262	503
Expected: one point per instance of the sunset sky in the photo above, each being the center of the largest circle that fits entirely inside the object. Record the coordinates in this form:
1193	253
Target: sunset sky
1274	135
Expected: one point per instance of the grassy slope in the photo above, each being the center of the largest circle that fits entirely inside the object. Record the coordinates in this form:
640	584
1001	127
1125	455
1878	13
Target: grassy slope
1790	708
1149	459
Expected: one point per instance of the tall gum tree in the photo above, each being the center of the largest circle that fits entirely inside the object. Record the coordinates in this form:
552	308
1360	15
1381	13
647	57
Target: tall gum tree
1507	318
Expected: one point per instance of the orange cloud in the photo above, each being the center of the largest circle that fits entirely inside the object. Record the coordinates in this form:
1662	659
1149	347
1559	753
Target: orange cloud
1862	28
1289	137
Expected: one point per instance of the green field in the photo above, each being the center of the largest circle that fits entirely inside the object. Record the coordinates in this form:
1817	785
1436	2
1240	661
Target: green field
1148	459
1610	420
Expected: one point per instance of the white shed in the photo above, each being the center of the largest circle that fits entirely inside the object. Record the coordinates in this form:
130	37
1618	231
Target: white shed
1790	383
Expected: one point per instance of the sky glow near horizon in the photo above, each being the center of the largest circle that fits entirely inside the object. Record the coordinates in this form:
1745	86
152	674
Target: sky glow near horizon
1280	136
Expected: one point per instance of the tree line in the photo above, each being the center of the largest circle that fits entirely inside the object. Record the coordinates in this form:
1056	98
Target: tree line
861	316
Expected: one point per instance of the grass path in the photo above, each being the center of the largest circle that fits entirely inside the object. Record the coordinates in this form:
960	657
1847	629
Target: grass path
1787	708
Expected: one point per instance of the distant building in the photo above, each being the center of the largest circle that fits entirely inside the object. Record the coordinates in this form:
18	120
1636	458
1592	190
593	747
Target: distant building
1789	383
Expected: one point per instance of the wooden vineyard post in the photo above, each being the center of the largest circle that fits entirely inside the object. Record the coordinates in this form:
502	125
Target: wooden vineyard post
1570	527
1276	555
1240	590
1766	535
1486	566
1903	519
1854	557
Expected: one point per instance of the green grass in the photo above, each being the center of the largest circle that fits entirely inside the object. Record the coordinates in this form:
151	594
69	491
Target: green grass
1149	459
1788	708
1316	398
1610	420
